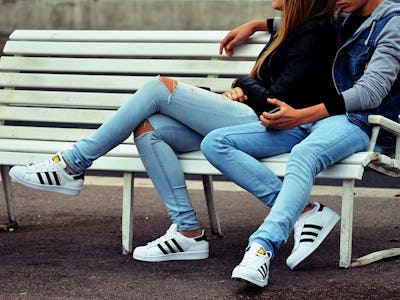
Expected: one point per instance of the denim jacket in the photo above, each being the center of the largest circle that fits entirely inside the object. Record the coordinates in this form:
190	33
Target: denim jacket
367	65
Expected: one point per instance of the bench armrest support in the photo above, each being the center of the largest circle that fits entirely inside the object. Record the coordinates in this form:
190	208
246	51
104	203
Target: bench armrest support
383	163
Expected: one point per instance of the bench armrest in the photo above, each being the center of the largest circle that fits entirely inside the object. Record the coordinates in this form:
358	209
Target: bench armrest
385	123
383	163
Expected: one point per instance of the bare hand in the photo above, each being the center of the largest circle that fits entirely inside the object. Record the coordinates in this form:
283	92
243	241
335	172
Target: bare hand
286	118
236	36
235	94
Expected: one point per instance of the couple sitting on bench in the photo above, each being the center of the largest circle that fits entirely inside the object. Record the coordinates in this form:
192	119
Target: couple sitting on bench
319	122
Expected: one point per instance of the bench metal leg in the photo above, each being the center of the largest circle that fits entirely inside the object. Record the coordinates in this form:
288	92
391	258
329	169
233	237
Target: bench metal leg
346	229
346	232
12	220
210	200
127	213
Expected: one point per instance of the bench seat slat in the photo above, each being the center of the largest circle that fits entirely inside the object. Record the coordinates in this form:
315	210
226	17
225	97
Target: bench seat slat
122	66
198	167
196	163
356	159
359	158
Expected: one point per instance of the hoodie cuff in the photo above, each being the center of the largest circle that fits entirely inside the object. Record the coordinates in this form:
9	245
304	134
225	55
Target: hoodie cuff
270	25
335	105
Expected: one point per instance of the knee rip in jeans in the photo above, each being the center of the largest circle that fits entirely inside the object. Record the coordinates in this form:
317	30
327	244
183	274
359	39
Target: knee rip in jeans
169	83
143	128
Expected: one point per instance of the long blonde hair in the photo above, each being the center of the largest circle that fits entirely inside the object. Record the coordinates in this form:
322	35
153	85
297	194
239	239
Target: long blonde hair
294	13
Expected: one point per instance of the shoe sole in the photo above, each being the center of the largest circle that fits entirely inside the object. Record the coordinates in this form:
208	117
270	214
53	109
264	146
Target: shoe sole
173	256
294	262
47	188
244	278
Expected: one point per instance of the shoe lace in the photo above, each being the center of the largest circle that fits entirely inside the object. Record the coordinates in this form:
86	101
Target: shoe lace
171	232
41	166
298	228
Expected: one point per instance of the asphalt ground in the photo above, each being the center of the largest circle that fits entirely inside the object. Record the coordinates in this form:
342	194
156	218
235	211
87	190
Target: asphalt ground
70	248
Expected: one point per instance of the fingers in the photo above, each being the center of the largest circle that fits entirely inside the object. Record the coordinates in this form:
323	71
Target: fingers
271	115
224	42
275	101
269	120
235	94
227	44
222	46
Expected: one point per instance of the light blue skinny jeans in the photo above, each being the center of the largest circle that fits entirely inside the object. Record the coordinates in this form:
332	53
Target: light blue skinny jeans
180	120
235	152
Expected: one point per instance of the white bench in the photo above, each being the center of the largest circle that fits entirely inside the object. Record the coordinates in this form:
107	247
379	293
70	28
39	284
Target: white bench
52	78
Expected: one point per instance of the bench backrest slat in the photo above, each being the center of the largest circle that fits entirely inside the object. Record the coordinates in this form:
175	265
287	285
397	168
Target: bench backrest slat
47	133
63	98
54	114
98	82
126	66
177	36
105	49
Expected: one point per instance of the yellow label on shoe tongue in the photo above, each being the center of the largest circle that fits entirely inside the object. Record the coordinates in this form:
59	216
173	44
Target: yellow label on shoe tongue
56	159
261	251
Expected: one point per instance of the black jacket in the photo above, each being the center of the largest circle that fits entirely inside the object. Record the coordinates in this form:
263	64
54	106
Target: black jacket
298	72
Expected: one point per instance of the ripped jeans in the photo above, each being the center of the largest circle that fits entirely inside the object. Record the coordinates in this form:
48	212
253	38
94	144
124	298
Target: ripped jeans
186	115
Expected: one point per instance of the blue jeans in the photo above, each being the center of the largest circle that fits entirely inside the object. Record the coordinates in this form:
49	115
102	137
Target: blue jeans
235	152
189	113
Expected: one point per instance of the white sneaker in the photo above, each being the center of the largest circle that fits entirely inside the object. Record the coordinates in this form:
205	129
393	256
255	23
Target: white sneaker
254	267
49	175
310	230
173	246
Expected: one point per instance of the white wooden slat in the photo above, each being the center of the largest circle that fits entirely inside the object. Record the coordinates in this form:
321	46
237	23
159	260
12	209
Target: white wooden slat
43	133
48	133
64	98
131	35
343	172
59	115
90	49
129	164
99	82
339	171
359	158
51	147
349	168
121	66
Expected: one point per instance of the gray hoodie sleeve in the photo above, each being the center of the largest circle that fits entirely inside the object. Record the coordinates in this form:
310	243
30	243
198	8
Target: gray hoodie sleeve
380	74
